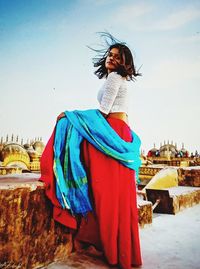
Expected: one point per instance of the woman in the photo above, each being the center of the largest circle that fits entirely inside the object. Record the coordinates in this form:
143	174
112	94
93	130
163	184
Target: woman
112	224
115	218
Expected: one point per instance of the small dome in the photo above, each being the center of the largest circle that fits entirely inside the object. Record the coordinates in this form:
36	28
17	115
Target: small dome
168	150
183	150
183	153
38	146
13	148
168	147
13	152
153	150
34	155
26	146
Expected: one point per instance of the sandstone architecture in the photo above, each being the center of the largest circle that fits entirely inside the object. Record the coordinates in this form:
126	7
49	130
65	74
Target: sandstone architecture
167	155
17	157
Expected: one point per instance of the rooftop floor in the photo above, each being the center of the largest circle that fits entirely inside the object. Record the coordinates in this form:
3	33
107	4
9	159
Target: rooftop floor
171	242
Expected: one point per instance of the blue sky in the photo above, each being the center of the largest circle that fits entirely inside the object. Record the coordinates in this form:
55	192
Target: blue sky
46	67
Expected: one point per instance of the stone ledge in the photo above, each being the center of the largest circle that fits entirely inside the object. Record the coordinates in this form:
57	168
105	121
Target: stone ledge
29	237
184	197
145	213
189	176
10	170
174	199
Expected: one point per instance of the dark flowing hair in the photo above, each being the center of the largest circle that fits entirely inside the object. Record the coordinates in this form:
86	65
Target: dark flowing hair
126	69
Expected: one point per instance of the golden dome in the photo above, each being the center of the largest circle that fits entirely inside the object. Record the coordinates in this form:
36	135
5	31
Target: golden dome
13	147
38	146
34	155
26	146
14	153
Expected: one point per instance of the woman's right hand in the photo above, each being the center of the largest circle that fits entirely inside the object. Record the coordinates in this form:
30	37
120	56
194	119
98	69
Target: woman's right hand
103	114
62	115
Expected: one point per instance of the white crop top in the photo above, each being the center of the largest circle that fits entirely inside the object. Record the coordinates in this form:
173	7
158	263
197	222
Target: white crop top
113	95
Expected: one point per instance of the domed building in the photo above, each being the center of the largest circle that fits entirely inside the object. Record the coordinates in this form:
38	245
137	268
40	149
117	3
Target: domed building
168	150
154	152
34	159
168	154
15	154
18	158
183	152
38	146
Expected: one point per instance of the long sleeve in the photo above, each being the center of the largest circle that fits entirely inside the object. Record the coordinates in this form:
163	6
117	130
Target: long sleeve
111	88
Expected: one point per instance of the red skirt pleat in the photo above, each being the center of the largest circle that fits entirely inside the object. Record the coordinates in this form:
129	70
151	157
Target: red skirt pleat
113	225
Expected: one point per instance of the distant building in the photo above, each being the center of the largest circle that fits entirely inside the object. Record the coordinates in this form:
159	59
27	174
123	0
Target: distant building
17	157
169	154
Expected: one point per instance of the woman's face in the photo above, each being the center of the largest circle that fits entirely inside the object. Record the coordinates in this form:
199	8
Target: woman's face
112	60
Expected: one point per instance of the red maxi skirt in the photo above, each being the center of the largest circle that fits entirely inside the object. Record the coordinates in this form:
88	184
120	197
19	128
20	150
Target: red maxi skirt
113	225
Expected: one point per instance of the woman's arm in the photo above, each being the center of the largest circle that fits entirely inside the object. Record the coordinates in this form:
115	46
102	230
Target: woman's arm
112	86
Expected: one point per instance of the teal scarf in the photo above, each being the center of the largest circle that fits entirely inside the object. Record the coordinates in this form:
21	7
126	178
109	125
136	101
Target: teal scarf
71	179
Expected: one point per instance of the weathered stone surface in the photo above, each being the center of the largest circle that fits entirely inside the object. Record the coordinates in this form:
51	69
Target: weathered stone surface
172	242
10	170
189	176
184	197
82	259
147	172
144	213
174	199
29	237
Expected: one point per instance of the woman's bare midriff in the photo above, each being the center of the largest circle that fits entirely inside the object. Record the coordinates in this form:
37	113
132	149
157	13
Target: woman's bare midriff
118	115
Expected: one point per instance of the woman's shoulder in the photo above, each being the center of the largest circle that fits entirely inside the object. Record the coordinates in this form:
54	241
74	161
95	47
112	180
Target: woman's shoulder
114	80
114	76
